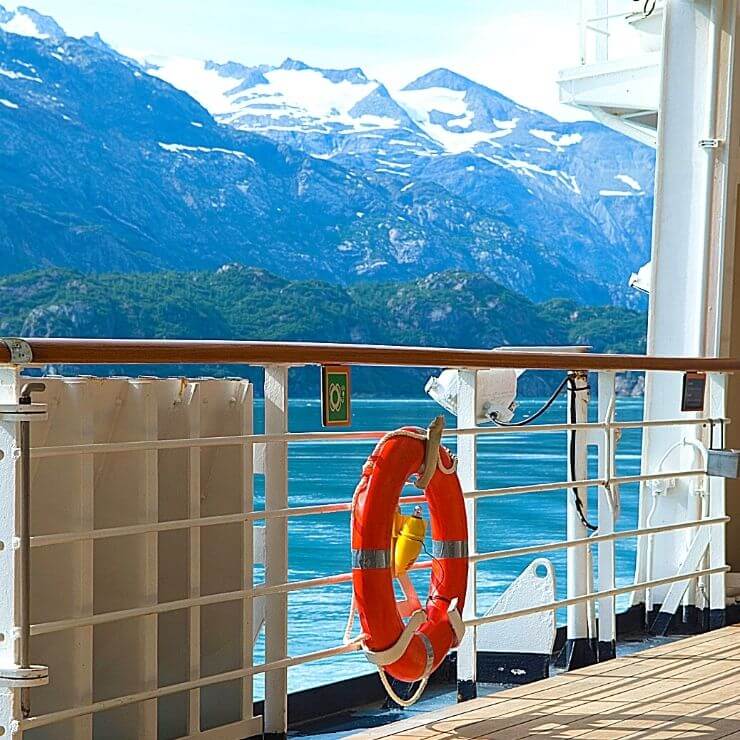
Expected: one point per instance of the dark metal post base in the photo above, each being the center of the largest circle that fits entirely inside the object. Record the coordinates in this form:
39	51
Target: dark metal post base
607	650
466	690
579	653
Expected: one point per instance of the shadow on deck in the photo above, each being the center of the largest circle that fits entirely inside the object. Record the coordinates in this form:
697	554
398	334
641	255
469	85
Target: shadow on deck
689	688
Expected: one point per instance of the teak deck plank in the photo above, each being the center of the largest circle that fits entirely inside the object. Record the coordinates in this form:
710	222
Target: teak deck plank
688	688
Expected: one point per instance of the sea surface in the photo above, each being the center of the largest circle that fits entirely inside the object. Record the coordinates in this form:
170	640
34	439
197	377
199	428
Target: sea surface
327	472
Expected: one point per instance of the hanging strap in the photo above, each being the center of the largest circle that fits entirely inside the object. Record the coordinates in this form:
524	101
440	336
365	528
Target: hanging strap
394	652
431	454
456	621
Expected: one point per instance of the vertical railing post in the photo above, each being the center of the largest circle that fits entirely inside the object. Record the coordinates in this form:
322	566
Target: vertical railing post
601	37
579	649
717	539
276	545
193	401
15	549
10	710
582	31
467	472
608	498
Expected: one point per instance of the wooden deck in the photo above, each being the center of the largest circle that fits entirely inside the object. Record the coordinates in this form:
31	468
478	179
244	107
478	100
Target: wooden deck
689	688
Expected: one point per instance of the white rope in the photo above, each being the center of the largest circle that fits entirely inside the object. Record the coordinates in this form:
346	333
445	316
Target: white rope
347	639
395	697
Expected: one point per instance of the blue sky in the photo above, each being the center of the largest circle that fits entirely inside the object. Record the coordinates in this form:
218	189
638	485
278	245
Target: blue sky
515	46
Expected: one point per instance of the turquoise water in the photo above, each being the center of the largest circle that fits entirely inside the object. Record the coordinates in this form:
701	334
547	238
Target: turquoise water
324	472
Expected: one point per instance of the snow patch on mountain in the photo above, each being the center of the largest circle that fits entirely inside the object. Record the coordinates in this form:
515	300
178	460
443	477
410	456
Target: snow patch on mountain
28	22
552	138
311	98
18	75
207	86
445	116
185	148
627	180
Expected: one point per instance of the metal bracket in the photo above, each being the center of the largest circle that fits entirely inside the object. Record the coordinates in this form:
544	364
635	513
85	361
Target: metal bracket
20	350
710	143
23	412
15	677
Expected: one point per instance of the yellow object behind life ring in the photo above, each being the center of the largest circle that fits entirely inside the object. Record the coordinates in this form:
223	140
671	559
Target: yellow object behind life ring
409	539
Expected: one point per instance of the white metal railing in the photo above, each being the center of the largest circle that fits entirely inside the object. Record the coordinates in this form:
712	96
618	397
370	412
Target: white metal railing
612	29
602	434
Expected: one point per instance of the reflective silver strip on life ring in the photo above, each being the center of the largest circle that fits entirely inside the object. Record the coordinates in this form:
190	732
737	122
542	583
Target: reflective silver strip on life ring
448	549
429	648
370	559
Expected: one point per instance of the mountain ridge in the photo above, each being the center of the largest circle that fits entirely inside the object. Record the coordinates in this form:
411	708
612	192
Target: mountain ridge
243	303
362	191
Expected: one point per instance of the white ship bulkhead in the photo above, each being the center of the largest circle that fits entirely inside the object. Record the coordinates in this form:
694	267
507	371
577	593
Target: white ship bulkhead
671	80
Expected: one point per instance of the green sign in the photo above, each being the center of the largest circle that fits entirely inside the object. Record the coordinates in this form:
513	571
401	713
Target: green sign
335	396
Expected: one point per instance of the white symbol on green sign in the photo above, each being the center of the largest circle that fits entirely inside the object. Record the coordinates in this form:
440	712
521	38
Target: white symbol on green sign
335	396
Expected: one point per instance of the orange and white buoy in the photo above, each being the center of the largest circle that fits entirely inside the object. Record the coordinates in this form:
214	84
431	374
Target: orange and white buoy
384	546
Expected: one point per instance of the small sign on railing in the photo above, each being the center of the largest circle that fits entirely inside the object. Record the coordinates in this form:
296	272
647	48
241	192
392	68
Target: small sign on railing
694	387
336	404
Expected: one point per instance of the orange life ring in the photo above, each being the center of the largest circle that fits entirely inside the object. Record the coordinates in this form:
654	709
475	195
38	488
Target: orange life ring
424	642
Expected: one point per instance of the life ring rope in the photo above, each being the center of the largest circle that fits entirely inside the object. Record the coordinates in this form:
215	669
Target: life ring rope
394	695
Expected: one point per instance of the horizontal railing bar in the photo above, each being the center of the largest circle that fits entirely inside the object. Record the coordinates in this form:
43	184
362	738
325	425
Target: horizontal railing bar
45	628
595	538
101	448
339	578
104	448
647	424
336	508
562	603
514	552
65	714
107	704
200	352
626	479
122	701
533	488
594	29
63	538
609	16
264	590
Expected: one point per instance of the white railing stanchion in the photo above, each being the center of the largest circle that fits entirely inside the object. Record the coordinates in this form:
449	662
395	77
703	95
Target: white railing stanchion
248	608
192	405
579	649
608	504
601	37
276	546
467	472
10	709
716	491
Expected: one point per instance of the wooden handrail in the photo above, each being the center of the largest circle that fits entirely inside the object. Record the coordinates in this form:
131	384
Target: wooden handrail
197	352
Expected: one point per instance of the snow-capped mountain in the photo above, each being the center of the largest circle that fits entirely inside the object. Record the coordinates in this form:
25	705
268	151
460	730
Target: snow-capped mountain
303	171
580	184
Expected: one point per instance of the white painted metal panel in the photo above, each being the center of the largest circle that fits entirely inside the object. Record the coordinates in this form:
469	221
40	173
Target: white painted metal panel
534	633
97	666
